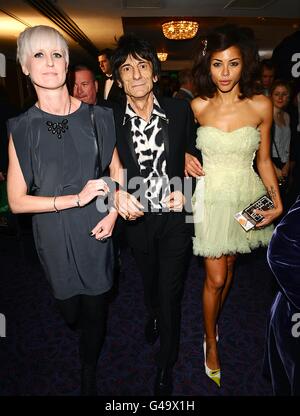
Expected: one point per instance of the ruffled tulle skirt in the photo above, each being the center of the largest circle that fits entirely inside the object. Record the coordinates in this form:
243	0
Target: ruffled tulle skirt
215	201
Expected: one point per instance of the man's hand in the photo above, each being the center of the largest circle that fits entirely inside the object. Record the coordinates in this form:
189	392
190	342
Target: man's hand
128	206
175	201
192	166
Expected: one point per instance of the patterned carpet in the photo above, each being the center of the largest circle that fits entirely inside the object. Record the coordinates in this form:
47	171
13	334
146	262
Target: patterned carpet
39	355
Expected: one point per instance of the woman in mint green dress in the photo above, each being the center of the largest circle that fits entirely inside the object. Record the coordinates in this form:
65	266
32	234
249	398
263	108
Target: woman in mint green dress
235	125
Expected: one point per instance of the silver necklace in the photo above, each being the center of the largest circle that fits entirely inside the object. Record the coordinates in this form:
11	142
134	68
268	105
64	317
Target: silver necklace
58	128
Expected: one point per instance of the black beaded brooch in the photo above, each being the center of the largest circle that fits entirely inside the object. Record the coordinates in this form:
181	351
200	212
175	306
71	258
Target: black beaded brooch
58	128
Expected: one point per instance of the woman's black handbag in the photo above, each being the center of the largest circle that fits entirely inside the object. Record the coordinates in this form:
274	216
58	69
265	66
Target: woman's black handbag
277	162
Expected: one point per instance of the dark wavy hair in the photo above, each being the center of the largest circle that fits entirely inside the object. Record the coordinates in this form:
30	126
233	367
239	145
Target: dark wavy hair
132	45
219	39
107	52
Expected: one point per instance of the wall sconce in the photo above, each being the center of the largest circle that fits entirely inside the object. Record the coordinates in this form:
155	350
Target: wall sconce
162	56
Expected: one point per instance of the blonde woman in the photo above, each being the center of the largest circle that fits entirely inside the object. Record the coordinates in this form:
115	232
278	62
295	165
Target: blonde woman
55	173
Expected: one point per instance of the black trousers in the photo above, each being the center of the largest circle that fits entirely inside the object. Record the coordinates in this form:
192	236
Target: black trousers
89	315
163	269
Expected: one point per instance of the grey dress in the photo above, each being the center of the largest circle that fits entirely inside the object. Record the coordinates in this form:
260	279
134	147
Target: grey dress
74	262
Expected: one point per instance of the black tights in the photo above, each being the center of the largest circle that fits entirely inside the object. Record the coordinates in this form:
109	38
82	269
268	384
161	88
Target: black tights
89	314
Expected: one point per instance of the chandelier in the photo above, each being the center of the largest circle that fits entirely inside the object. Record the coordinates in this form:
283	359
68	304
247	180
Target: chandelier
180	29
162	56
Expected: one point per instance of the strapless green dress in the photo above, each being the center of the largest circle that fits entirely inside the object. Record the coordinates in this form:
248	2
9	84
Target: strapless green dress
229	185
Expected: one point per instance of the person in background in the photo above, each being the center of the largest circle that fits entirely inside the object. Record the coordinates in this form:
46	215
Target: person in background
235	123
55	169
85	85
267	74
281	134
7	111
293	109
282	357
186	89
108	89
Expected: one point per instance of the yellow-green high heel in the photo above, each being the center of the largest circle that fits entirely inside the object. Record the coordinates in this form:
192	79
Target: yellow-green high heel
214	375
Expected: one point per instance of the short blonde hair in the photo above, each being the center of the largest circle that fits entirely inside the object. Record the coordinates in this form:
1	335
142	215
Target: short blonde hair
39	37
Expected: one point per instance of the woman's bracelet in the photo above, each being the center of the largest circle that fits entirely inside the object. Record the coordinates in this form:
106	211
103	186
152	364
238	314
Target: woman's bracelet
78	202
56	210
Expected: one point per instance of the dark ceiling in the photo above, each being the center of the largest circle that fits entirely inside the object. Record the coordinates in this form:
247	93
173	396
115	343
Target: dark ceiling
91	25
150	28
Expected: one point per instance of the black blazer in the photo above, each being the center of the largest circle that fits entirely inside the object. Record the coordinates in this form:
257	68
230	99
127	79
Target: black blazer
183	95
179	131
115	94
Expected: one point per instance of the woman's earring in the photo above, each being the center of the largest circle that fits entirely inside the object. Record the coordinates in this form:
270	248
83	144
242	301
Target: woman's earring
204	43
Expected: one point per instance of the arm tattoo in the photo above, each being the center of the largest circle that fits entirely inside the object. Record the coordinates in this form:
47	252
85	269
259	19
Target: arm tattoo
272	192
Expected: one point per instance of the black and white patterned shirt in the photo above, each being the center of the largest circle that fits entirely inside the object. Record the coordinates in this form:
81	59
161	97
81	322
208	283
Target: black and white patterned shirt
150	151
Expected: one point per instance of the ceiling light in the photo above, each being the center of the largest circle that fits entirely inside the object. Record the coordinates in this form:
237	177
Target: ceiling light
180	29
162	56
